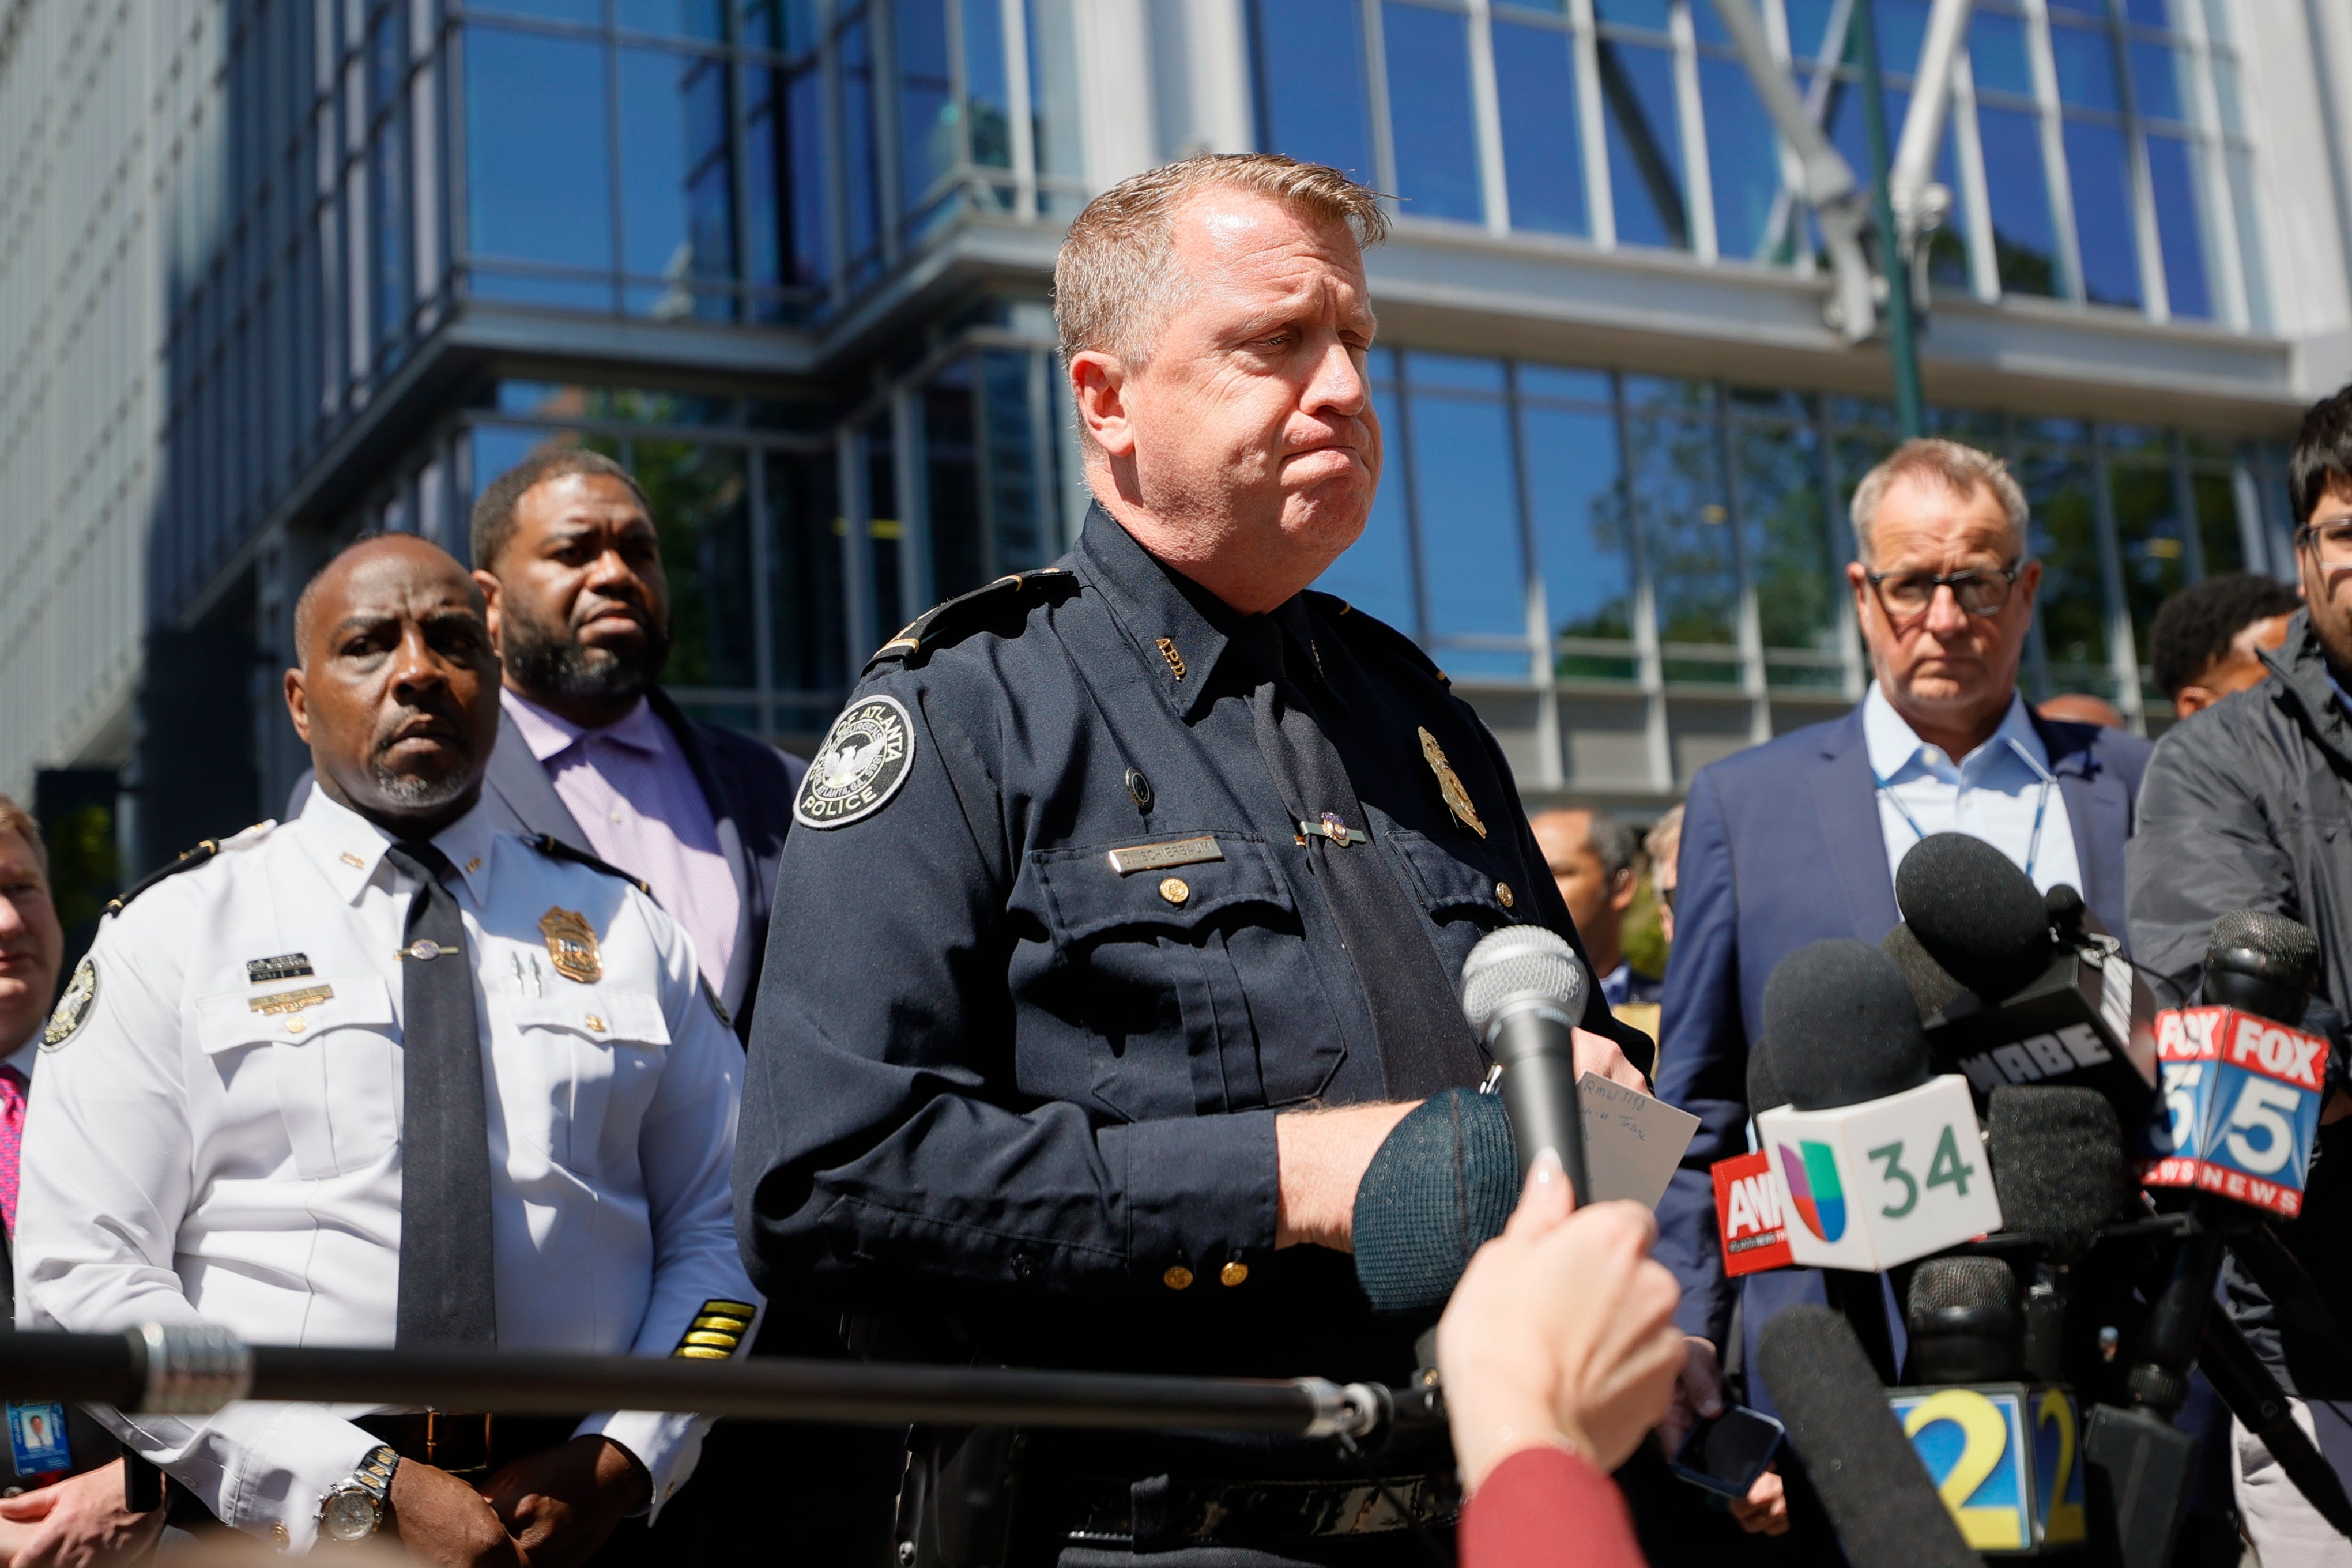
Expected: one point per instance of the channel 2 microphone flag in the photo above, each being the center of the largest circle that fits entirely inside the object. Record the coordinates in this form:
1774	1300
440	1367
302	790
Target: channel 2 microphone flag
2238	1106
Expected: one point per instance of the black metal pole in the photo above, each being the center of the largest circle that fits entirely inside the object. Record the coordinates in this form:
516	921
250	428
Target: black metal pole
111	1368
1902	327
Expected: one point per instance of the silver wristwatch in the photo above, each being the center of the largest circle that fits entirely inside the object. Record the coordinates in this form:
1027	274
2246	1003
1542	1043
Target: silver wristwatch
353	1506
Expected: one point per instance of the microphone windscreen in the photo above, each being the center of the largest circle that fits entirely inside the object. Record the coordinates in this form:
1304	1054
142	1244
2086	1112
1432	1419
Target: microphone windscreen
1763	1088
2272	946
2064	904
1932	989
1519	963
1876	1492
1441	1186
1973	910
1963	1285
1843	1025
2058	1165
1964	1321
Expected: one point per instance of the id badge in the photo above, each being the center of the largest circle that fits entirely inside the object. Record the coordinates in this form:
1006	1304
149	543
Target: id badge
37	1437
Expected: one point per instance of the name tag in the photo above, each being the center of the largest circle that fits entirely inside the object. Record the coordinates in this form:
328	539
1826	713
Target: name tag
291	1001
1137	857
37	1437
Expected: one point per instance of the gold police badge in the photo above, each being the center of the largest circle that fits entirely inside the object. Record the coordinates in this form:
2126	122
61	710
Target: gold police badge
572	945
1449	785
73	1007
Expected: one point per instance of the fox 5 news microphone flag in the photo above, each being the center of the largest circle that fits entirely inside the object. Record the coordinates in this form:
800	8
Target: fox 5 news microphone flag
2238	1108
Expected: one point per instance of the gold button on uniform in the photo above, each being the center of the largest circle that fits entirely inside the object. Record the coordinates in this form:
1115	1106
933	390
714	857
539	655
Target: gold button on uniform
295	1024
1232	1273
1175	889
1503	891
1177	1278
595	1024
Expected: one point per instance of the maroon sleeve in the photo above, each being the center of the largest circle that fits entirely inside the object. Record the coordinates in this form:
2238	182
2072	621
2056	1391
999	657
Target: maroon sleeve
1547	1508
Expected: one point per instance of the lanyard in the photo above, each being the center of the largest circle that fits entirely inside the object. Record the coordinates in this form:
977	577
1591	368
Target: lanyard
2041	806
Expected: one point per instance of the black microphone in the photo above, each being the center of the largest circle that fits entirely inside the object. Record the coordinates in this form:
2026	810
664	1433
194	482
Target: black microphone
2004	999
1842	1031
1523	989
2261	964
1872	1484
1764	1092
1964	1323
2058	1163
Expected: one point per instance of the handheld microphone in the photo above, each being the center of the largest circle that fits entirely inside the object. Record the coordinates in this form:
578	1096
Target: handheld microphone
2241	1085
1880	1162
1872	1485
2016	987
1523	990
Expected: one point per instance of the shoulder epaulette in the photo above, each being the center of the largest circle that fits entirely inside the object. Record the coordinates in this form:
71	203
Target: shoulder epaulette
188	862
961	613
1354	622
554	848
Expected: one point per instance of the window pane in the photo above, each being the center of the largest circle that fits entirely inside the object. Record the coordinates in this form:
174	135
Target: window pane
1902	30
2152	536
2073	619
589	11
1054	99
388	222
1645	145
1020	497
1469	509
1581	546
805	600
2158	80
677	181
1535	78
988	100
2019	197
1687	535
1743	158
678	18
535	136
702	505
1310	82
1375	574
1559	381
2250	237
2103	223
1997	58
1428	55
784	147
2218	534
859	156
2086	67
2179	225
927	111
952	482
789	26
885	531
1650	14
1783	510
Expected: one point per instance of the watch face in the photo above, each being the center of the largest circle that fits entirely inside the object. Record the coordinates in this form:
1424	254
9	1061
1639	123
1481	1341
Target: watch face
348	1516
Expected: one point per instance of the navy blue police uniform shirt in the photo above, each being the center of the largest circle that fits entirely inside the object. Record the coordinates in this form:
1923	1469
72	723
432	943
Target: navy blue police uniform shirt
995	1080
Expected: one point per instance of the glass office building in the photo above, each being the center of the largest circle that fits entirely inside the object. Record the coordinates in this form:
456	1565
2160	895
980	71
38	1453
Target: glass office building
276	272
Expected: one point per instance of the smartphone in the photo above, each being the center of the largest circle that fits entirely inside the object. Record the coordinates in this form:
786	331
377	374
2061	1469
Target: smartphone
1725	1453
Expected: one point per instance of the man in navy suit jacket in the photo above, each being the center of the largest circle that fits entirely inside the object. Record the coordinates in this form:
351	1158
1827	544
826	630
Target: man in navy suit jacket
1796	841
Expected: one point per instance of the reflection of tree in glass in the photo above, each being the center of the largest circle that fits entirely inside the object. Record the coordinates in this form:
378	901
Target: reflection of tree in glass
2147	526
1686	531
2066	538
1611	618
1780	498
83	870
2023	269
701	506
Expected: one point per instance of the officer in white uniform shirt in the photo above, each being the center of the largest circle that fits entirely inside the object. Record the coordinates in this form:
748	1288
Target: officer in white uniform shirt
383	1076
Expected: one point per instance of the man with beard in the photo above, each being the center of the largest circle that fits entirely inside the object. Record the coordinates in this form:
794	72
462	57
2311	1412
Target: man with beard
386	1076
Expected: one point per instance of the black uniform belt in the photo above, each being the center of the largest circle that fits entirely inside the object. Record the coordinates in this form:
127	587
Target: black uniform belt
1160	1511
467	1442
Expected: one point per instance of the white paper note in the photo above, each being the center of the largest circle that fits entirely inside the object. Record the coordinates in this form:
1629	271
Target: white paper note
1632	1142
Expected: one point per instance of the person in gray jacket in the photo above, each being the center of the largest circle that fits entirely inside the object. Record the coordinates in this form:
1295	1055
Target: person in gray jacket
2248	806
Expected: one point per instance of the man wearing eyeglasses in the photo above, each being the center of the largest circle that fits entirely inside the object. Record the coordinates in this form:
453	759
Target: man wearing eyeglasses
2247	806
1798	840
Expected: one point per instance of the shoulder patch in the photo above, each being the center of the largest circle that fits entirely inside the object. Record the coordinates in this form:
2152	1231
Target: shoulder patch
964	612
1377	633
188	862
866	756
73	1007
554	848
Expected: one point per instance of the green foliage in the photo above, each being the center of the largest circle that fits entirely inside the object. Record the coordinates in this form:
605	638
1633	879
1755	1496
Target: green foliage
84	870
1645	935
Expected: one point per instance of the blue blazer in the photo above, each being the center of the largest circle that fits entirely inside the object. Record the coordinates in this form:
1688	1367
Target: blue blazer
1781	846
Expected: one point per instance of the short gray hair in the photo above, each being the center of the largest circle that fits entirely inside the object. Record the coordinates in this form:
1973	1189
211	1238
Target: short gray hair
1115	278
1957	468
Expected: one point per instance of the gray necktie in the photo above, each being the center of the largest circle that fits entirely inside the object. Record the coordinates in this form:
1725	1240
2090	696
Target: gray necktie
448	1293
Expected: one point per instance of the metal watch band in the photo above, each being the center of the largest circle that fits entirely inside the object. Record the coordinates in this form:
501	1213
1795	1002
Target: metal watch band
372	1482
374	1475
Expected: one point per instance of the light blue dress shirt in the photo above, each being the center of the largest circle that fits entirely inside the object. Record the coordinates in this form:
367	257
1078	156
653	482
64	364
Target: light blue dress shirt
1996	793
